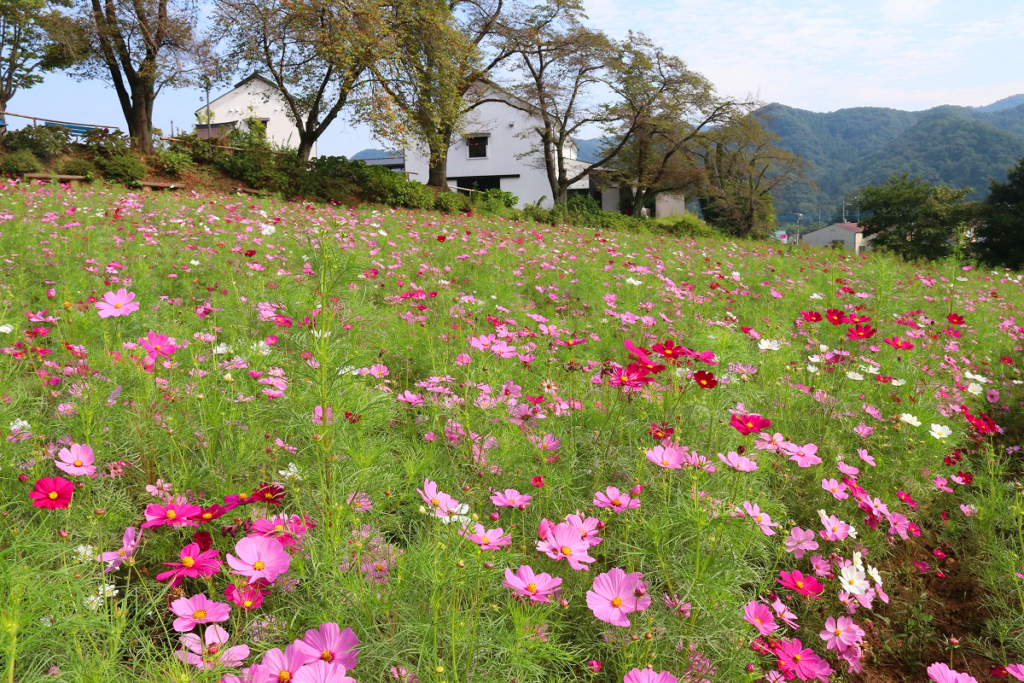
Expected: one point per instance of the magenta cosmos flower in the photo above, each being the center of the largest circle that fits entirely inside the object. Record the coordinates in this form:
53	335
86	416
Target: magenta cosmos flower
612	498
511	498
760	617
77	460
750	423
194	563
563	541
52	493
172	514
321	672
796	659
209	652
157	345
115	558
796	581
330	645
530	585
649	676
259	558
615	594
198	609
113	304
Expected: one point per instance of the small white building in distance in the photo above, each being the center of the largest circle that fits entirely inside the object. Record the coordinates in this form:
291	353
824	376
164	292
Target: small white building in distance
253	97
849	235
496	150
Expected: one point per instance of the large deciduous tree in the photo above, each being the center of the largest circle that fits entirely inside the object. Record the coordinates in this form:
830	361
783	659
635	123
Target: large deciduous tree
28	44
741	167
1000	237
441	49
915	219
317	53
139	47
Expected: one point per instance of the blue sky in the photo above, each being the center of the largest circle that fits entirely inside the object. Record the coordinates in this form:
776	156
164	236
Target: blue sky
820	55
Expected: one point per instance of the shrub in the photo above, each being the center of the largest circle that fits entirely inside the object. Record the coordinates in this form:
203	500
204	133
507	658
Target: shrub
123	168
494	201
451	202
688	225
44	142
174	161
106	142
20	162
78	166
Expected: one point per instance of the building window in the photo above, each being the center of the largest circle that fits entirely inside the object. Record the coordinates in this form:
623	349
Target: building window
477	146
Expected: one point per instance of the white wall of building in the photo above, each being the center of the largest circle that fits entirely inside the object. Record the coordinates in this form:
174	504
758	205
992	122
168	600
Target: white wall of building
669	204
509	154
827	236
255	96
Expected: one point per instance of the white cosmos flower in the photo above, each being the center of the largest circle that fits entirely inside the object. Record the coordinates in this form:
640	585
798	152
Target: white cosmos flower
633	281
85	552
261	347
813	369
815	358
910	419
267	229
899	382
769	345
856	376
940	431
6	329
875	575
974	389
221	349
854	580
977	378
817	295
292	472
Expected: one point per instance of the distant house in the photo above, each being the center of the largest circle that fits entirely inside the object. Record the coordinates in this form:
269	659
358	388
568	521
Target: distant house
253	97
848	235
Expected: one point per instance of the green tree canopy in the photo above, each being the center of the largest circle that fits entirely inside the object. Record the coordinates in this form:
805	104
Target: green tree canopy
1001	235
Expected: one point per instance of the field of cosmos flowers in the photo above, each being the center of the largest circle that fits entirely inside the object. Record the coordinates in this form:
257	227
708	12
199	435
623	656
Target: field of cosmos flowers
278	442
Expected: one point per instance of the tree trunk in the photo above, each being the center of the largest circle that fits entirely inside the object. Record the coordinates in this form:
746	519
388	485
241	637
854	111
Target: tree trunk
305	147
140	126
639	199
437	174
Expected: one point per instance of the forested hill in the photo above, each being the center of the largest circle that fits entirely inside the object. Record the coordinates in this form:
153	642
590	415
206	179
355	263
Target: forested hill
851	148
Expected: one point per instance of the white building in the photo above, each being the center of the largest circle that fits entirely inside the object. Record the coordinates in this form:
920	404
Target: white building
252	97
498	148
849	235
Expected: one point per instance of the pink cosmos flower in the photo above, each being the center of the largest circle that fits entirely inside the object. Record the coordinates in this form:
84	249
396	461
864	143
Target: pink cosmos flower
940	673
172	514
800	541
612	498
804	456
835	528
563	541
649	676
511	498
940	484
331	645
784	613
862	453
801	661
530	585
198	609
208	653
52	493
1016	670
488	539
282	666
615	594
247	598
836	488
157	345
841	634
589	528
113	304
321	672
796	581
115	558
670	458
738	462
77	460
760	617
259	558
318	415
194	563
760	518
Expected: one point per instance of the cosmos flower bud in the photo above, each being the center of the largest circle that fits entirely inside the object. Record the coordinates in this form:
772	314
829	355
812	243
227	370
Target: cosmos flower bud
488	565
495	516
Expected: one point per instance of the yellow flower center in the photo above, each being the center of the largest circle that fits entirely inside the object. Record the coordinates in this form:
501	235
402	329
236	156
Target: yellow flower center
284	676
839	631
664	462
531	588
326	656
199	614
279	527
171	514
757	619
243	496
485	540
52	495
616	602
187	562
379	567
156	347
117	305
78	463
566	550
796	658
121	552
207	515
258	565
247	603
435	501
617	501
799	584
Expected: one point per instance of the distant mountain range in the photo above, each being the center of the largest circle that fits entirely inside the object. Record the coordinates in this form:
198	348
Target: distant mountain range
851	148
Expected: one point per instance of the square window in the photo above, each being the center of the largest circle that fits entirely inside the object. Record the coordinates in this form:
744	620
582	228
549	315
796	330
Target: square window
477	147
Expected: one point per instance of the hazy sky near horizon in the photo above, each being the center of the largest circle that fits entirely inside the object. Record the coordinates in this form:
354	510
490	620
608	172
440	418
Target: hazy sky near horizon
820	55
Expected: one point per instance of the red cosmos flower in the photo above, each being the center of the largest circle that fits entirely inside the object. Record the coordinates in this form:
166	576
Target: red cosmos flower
811	316
1006	360
660	431
211	513
272	494
353	417
705	379
861	332
899	344
537	481
669	349
859	319
52	493
836	317
749	424
441	238
955	319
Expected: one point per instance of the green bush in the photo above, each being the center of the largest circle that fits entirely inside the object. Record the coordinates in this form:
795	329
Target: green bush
494	201
451	202
45	142
123	168
78	166
106	142
174	161
688	225
20	162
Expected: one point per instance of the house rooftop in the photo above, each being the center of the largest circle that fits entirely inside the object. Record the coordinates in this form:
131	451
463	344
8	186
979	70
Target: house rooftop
852	227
